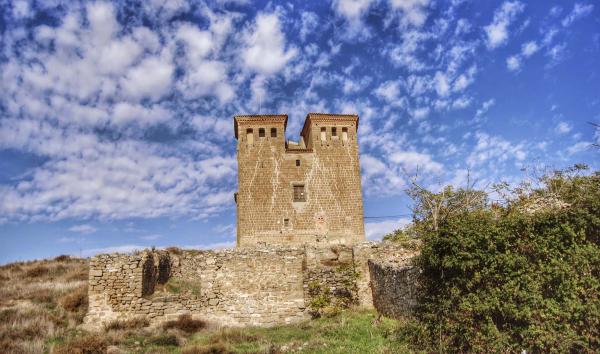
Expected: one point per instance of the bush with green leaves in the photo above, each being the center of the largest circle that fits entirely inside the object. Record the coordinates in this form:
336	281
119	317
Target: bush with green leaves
513	277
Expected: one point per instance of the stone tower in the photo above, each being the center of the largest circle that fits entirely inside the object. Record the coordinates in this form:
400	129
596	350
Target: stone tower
307	192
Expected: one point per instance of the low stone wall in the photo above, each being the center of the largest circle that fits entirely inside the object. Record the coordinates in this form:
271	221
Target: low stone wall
233	287
393	285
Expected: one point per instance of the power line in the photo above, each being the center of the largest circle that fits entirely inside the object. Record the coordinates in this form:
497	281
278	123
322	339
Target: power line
387	216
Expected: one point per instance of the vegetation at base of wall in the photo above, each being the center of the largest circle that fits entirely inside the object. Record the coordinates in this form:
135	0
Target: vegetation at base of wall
350	331
186	324
521	275
325	301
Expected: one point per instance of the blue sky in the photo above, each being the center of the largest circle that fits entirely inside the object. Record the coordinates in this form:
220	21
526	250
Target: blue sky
116	118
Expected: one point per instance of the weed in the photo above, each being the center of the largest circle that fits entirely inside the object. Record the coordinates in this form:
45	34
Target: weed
88	344
219	348
185	323
77	301
164	340
133	323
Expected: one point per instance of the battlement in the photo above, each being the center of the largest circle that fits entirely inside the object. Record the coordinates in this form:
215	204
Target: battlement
305	192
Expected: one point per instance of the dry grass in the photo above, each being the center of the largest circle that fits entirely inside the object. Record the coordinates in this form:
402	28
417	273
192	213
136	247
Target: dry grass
89	344
134	323
208	349
186	324
32	310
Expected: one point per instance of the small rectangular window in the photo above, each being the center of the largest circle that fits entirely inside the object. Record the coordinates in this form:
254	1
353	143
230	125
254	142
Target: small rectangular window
261	132
297	162
334	131
323	133
344	134
273	132
286	223
249	136
299	195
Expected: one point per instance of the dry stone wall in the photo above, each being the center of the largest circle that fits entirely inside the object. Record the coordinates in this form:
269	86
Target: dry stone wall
234	287
393	286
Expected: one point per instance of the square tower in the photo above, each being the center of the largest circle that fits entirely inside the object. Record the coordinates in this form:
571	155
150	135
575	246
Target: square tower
305	192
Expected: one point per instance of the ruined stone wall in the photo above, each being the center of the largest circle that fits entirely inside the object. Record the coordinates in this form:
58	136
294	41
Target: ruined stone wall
332	212
234	287
393	286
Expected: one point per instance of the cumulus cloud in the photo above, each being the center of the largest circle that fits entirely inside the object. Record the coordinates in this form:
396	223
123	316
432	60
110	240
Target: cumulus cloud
265	49
513	63
497	32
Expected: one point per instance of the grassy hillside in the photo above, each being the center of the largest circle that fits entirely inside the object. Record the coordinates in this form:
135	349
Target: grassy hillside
43	302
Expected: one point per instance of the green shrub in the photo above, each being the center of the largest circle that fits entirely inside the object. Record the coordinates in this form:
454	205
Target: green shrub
508	278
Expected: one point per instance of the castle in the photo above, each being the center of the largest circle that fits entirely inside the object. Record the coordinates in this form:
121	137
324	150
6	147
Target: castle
291	193
300	228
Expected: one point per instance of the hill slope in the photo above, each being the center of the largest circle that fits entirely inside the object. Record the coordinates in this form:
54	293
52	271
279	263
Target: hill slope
43	302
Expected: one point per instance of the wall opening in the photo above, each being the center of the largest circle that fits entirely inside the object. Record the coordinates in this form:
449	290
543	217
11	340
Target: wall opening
334	131
249	136
297	163
344	134
299	194
273	132
261	132
286	223
323	134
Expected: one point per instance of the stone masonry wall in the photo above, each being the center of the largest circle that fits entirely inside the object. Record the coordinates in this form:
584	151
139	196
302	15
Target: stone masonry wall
393	286
234	287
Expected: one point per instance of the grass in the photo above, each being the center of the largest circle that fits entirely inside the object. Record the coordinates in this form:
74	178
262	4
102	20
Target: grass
178	286
42	303
351	331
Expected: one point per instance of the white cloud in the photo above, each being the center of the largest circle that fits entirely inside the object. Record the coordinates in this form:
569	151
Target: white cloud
152	237
389	91
412	161
309	21
494	150
579	10
420	113
497	31
442	86
125	112
83	229
529	48
375	230
513	63
406	53
578	147
353	12
563	128
413	12
265	48
152	78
